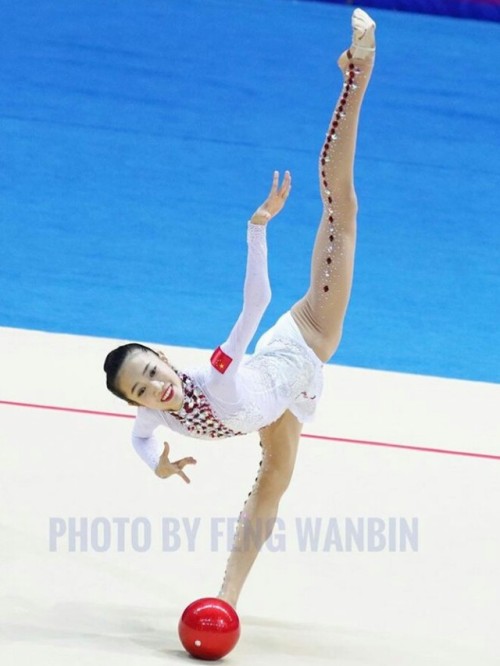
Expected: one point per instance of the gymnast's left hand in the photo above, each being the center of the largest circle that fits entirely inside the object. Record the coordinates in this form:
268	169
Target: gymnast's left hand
168	468
275	201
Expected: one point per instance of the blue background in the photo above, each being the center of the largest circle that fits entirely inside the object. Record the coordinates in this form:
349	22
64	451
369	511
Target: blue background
138	136
480	9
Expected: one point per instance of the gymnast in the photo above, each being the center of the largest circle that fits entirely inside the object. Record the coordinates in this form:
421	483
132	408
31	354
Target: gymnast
277	388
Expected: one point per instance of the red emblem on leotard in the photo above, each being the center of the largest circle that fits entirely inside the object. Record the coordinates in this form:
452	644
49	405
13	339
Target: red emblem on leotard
220	361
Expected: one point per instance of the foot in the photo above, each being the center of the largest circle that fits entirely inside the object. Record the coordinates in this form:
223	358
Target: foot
363	34
363	39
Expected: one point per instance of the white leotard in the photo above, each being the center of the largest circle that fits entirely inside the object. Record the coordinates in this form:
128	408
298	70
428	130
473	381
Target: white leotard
283	372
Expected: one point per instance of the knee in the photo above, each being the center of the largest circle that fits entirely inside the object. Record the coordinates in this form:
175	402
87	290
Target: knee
276	475
344	202
351	198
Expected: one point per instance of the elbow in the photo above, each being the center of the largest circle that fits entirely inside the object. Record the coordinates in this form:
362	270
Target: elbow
257	288
264	297
259	302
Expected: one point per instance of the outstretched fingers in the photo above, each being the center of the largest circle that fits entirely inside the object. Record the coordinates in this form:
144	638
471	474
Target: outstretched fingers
286	185
285	188
275	200
180	464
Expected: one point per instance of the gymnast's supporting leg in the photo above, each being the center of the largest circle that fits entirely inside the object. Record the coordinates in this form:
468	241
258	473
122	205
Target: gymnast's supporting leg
279	442
320	314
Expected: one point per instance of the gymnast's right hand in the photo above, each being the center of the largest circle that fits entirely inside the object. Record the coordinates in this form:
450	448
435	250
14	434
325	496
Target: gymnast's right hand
275	201
165	468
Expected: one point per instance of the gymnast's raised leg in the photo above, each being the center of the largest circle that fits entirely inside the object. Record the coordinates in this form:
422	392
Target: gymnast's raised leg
320	314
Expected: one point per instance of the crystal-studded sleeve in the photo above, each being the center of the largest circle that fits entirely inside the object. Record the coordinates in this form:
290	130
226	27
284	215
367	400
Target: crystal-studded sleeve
256	298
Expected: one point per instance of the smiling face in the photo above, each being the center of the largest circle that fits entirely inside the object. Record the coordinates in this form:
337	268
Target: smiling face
148	380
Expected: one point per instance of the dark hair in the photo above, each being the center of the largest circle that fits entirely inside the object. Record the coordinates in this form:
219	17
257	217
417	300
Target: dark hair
114	361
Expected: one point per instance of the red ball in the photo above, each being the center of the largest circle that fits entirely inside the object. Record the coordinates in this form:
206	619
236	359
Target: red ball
209	628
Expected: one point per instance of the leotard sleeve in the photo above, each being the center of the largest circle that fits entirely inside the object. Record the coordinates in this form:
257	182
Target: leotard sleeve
146	445
149	449
256	298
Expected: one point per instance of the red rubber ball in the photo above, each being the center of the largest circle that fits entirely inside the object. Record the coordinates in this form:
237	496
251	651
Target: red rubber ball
209	628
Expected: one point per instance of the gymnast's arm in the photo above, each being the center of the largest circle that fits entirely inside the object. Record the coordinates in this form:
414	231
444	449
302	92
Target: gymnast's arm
257	291
154	453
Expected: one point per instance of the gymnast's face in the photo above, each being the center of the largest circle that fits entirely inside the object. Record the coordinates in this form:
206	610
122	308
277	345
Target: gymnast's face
148	380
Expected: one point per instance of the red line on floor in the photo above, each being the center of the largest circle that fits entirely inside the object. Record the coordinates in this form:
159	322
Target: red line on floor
425	449
408	447
74	410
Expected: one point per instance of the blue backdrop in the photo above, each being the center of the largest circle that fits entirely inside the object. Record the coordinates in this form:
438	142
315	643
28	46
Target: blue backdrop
138	136
481	9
